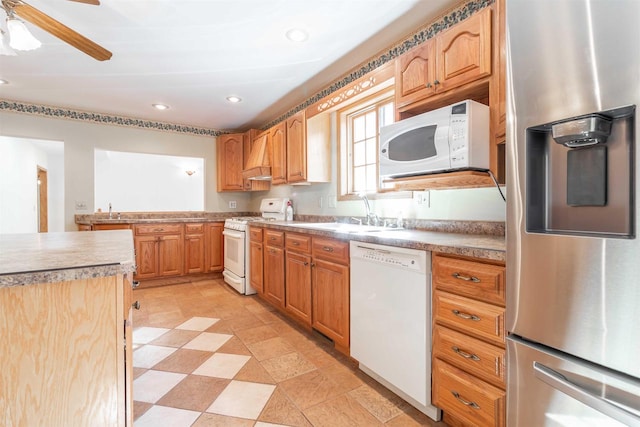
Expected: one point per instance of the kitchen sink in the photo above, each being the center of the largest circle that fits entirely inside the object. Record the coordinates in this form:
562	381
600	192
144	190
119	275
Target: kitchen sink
341	227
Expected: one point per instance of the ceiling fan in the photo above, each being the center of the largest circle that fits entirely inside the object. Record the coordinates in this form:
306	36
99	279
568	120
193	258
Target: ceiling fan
56	28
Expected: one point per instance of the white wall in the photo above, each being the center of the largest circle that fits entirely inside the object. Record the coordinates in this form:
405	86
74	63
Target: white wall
19	160
135	182
81	138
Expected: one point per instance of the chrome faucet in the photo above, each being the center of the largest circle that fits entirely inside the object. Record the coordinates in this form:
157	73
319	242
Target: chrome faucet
372	218
109	210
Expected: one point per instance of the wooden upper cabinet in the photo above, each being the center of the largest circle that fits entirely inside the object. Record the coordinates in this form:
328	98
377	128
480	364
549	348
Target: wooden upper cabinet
230	162
296	148
415	74
464	51
278	142
498	84
455	57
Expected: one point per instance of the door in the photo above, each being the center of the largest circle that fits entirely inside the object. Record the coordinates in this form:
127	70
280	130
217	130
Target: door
214	242
43	201
194	253
255	257
234	242
548	388
279	153
331	300
146	257
230	162
298	295
171	255
296	148
274	275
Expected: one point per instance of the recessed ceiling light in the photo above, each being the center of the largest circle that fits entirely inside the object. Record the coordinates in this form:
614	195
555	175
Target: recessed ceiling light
160	106
234	99
297	35
4	82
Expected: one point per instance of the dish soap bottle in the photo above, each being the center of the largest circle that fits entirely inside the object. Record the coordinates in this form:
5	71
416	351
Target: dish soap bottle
289	211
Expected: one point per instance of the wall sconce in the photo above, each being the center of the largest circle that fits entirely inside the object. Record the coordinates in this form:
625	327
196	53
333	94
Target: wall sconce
190	172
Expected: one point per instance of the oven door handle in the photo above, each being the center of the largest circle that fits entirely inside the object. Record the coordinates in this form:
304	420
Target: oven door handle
234	234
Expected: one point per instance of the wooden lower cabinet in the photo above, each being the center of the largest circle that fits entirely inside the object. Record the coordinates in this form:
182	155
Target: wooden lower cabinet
159	250
256	278
331	301
468	348
298	286
194	253
214	247
274	276
64	360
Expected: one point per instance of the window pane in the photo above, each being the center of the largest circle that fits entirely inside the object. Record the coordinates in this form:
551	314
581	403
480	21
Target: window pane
359	179
371	124
359	155
371	178
386	114
372	150
358	128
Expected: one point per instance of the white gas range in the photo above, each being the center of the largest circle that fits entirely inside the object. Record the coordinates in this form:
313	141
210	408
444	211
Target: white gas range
236	243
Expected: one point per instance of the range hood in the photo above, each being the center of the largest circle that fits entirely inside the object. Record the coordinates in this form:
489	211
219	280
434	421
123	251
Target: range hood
259	164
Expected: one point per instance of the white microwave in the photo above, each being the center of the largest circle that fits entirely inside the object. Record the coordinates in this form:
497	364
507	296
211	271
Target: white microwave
451	138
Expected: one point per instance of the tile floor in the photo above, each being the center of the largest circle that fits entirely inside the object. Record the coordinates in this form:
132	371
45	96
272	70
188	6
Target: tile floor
207	356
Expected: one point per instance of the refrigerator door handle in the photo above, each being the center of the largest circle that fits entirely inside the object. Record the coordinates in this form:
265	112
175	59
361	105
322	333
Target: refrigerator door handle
606	406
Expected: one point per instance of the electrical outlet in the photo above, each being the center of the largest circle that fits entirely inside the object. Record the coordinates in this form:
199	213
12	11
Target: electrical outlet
81	205
331	201
233	204
424	198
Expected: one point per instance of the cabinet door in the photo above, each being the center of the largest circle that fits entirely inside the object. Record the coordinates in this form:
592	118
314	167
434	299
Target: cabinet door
415	74
296	148
230	162
255	266
331	300
146	256
498	83
214	247
171	255
298	292
464	52
279	153
274	275
194	253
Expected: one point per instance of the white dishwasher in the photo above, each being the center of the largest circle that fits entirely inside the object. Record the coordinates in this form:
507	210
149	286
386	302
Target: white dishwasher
391	319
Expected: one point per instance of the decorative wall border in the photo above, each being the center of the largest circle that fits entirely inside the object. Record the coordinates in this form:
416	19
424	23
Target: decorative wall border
105	119
449	19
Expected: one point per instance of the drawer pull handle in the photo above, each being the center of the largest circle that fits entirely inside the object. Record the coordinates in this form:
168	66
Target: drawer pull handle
465	316
465	354
473	405
158	230
272	238
273	251
136	305
327	248
466	278
306	263
295	243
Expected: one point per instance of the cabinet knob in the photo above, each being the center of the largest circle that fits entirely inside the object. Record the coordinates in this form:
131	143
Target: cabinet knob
306	263
136	305
436	82
327	248
135	284
295	243
428	85
313	264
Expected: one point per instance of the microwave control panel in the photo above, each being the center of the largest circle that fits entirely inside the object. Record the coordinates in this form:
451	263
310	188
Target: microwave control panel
458	140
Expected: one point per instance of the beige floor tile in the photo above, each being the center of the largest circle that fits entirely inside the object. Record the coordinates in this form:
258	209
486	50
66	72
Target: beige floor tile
411	417
244	321
344	376
221	327
242	399
149	355
383	407
162	415
310	389
280	410
183	360
253	335
140	408
175	338
342	411
287	366
197	324
146	334
235	346
270	348
152	385
253	371
216	420
138	371
194	392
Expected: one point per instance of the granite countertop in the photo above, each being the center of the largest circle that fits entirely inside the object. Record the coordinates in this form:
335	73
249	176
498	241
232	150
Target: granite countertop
487	247
55	257
154	217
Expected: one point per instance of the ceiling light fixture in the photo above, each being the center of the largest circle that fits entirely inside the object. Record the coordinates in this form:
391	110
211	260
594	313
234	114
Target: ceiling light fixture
297	35
4	82
160	106
234	99
5	49
20	38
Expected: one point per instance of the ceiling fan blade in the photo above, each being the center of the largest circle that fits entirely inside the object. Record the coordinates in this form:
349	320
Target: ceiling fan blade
61	31
93	2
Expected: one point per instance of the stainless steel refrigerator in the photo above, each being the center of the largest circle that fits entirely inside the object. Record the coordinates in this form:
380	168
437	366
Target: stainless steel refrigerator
573	252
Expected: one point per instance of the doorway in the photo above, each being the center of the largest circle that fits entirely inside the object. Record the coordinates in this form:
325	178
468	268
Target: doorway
43	202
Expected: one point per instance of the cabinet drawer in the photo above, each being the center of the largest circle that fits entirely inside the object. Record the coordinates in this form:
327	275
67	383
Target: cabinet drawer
298	242
469	278
330	249
194	228
467	397
477	357
485	321
158	229
255	234
274	238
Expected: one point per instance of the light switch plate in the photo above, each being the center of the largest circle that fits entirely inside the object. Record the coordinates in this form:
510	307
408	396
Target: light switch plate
233	204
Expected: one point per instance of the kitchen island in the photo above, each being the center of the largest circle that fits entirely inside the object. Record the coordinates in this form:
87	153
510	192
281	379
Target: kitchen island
65	321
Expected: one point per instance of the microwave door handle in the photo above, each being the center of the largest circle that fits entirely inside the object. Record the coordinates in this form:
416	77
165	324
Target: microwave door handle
563	384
